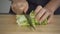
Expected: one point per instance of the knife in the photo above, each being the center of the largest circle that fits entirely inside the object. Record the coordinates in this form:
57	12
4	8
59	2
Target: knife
29	20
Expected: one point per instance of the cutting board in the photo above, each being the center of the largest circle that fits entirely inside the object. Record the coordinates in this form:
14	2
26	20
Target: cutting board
8	25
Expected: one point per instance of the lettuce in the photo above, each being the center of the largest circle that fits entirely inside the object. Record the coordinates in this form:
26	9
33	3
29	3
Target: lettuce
22	20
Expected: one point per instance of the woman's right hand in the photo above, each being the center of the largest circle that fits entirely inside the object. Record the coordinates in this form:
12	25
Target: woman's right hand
19	6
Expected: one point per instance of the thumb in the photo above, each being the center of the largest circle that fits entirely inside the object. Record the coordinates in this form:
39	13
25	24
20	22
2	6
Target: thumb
50	18
25	9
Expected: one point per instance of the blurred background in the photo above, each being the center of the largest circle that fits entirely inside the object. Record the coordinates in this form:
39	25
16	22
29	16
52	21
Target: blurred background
5	7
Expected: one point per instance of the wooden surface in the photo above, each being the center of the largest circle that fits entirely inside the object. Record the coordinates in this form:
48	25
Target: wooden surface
9	26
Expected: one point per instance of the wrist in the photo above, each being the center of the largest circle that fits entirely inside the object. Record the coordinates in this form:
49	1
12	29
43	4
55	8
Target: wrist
53	5
49	10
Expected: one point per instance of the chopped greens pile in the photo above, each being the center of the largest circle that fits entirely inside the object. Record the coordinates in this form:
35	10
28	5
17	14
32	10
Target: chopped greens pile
22	20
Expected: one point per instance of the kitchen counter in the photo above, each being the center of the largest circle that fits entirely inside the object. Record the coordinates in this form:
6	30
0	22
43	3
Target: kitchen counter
8	26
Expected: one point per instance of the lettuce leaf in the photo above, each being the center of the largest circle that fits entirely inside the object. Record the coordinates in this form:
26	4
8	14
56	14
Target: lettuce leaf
22	20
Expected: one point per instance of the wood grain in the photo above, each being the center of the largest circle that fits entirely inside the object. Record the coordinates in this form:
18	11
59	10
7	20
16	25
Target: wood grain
8	26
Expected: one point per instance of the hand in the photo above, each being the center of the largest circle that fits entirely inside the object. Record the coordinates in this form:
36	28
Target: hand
43	13
19	6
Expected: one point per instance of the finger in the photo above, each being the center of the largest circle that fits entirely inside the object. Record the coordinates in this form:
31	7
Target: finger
44	17
17	8
38	9
39	15
20	7
25	9
13	7
19	12
50	18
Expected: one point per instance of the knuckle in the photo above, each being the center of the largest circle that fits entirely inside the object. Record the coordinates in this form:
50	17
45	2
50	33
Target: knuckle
39	6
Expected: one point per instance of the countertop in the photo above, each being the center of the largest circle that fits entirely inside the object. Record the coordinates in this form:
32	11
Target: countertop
8	26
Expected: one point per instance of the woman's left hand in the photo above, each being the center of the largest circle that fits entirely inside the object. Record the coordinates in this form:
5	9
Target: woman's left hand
43	13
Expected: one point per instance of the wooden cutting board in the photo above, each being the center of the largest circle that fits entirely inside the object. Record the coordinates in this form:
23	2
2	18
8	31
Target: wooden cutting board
8	26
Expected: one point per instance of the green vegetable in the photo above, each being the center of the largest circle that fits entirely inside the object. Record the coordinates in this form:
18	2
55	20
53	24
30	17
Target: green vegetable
22	20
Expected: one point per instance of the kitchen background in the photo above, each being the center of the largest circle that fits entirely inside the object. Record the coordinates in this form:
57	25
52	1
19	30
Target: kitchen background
4	6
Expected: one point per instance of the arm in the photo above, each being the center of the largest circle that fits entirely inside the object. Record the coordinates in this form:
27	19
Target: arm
47	11
53	5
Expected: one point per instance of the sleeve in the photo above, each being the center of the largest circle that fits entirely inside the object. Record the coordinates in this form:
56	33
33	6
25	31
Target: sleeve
38	2
57	12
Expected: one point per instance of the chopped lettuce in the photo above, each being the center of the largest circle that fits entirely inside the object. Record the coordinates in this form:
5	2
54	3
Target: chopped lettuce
22	20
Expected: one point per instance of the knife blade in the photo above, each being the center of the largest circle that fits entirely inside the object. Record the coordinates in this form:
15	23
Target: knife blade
29	19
